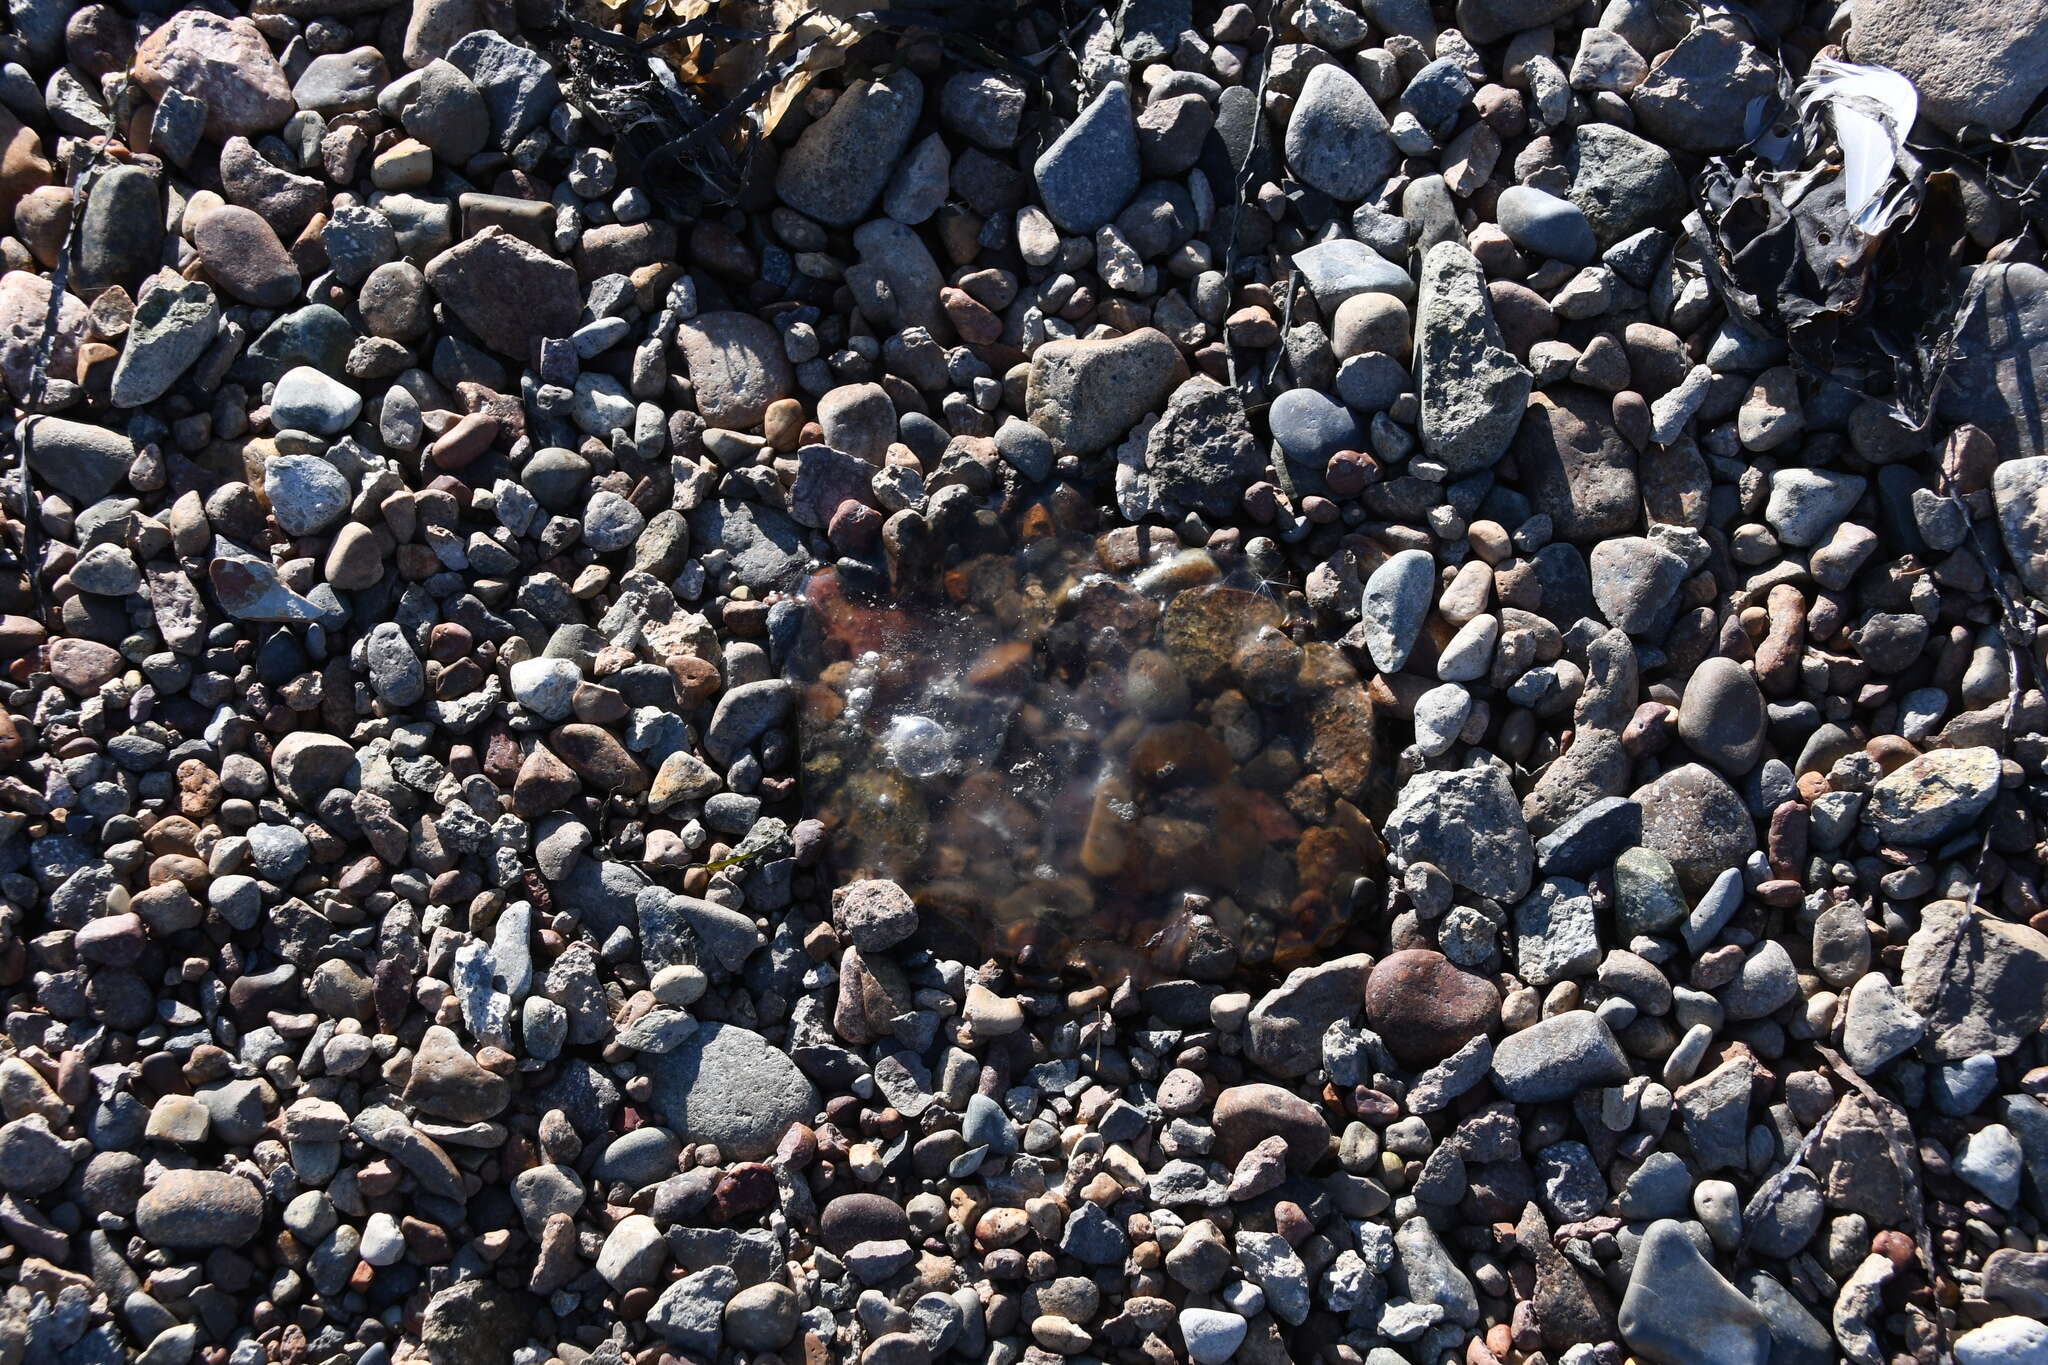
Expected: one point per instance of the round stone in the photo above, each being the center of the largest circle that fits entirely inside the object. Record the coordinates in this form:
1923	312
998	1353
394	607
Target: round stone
1721	716
1425	1008
189	1210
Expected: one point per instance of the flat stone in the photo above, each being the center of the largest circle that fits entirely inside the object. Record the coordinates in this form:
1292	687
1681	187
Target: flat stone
448	1083
1343	267
2018	1280
1980	982
24	314
1310	427
1879	1026
120	238
1679	1310
1931	799
475	1322
517	83
1201	454
511	294
307	494
1556	1058
341	82
1246	1115
1557	934
1486	21
1806	505
730	1087
1577	466
765	546
737	365
1974	63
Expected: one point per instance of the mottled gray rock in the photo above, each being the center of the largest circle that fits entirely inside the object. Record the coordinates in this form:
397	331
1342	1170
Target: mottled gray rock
173	326
1980	982
731	1087
1468	823
1091	170
1974	62
2019	489
1472	388
1557	1057
1337	138
1679	1309
1621	182
840	163
1087	394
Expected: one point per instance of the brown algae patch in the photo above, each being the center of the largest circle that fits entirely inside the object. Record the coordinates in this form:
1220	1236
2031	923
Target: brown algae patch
1103	753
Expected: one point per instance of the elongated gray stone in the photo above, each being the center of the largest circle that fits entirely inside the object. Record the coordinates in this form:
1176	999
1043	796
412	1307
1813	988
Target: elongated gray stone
1472	388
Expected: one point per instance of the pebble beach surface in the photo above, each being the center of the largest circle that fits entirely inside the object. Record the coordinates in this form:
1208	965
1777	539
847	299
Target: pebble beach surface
1186	682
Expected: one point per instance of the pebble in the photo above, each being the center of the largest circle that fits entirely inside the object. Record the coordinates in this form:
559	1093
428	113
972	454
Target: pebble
1678	1306
187	1209
2004	1341
730	1087
506	291
173	326
1311	427
1086	394
1469	824
1396	602
1212	1335
307	400
737	366
307	494
1337	138
1721	716
1935	796
839	164
243	256
82	460
1091	169
222	61
1558	1057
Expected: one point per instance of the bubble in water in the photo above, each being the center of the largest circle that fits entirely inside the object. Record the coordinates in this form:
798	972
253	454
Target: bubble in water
917	745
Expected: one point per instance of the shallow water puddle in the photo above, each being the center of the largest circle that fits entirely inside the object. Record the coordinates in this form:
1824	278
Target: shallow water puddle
1098	752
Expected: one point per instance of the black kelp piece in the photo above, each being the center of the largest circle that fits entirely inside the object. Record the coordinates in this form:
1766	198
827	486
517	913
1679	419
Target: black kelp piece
1856	235
686	102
